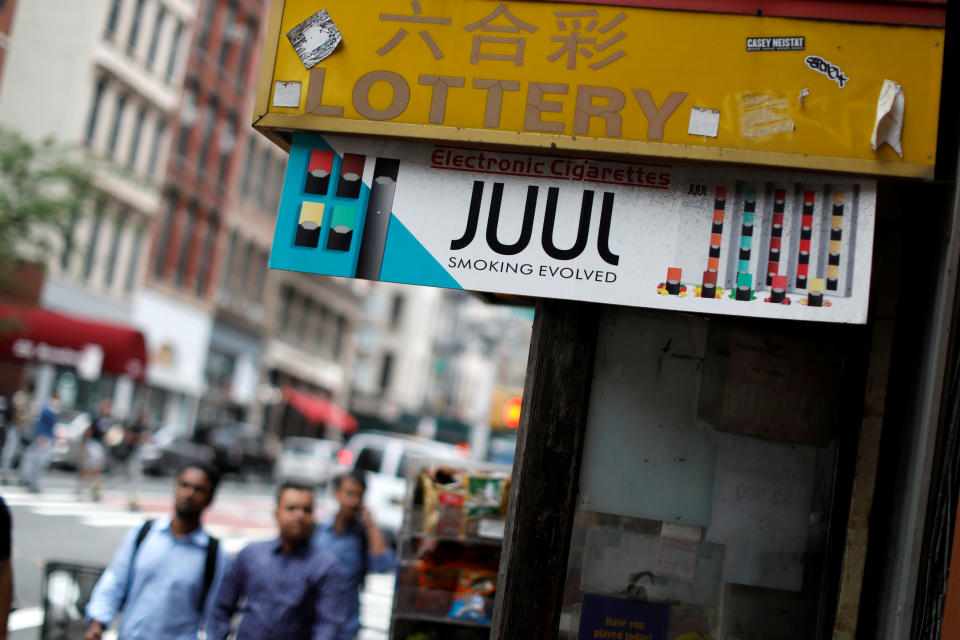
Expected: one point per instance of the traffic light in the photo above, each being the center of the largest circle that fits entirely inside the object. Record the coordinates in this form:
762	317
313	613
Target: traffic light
511	412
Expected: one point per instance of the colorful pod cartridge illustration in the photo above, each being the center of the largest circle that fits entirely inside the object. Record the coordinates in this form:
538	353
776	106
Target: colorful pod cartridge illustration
318	172
341	228
351	176
308	226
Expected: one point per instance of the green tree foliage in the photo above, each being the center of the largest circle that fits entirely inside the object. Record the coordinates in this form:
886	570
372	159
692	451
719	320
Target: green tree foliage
41	185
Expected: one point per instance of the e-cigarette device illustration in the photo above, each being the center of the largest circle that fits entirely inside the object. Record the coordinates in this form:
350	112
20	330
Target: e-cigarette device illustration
377	220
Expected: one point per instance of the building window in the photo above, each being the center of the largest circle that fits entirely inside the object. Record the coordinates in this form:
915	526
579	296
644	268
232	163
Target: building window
186	241
135	142
94	239
188	115
262	175
163	241
135	26
219	369
386	371
117	121
95	108
305	314
114	249
278	183
228	262
250	31
248	164
206	27
68	240
155	36
286	306
158	132
210	119
261	276
339	336
113	17
228	139
396	311
134	257
320	331
174	50
229	34
206	255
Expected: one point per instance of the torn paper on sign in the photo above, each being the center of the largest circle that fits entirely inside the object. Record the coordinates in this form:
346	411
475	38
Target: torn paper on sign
315	38
286	94
704	122
889	123
764	115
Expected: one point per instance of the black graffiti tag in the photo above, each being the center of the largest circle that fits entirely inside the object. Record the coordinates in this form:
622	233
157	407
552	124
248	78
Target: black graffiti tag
828	69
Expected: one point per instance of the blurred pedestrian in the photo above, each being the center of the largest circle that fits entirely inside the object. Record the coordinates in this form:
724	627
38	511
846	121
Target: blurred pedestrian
93	454
165	572
36	459
136	433
289	588
354	538
6	567
18	429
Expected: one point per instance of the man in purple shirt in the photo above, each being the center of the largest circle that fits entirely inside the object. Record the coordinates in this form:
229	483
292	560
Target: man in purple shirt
291	589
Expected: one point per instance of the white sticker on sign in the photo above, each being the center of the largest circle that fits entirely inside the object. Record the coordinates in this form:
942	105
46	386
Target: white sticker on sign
704	122
286	94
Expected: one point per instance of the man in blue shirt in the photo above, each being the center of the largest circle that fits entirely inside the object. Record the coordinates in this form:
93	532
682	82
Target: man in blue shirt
36	458
353	537
164	574
291	589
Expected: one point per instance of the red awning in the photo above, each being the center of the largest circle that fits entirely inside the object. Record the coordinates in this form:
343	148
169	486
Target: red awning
30	333
319	410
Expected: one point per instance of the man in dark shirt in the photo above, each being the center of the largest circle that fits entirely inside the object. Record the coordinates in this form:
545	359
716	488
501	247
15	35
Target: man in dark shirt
291	588
354	538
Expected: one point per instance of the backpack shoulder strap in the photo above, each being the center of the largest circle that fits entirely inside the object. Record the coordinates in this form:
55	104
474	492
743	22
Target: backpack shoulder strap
141	536
364	551
209	569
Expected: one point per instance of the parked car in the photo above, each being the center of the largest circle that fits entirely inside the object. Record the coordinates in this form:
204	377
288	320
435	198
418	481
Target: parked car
243	449
67	449
310	461
168	452
383	459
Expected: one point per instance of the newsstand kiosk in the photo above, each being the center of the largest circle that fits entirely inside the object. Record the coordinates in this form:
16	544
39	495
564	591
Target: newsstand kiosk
743	270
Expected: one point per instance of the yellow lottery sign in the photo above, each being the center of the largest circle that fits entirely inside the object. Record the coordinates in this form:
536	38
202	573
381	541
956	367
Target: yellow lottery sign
810	94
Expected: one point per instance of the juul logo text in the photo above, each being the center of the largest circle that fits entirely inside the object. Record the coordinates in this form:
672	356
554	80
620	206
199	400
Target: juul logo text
549	221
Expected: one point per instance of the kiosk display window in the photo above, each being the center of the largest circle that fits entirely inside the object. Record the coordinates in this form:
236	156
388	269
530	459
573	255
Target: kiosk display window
707	478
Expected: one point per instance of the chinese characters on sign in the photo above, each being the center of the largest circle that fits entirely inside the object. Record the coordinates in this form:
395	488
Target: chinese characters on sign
501	35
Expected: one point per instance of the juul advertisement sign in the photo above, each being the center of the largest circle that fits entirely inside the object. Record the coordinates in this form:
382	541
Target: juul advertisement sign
645	234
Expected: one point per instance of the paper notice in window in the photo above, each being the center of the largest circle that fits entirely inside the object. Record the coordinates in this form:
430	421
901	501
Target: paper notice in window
315	38
679	548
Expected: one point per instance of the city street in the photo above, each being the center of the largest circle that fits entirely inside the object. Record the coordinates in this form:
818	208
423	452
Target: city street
57	526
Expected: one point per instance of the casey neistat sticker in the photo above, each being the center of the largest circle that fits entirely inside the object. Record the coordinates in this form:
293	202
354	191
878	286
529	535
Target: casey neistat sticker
828	69
783	43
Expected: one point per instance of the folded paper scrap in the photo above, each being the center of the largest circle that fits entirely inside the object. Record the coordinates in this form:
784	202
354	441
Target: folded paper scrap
889	123
315	38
